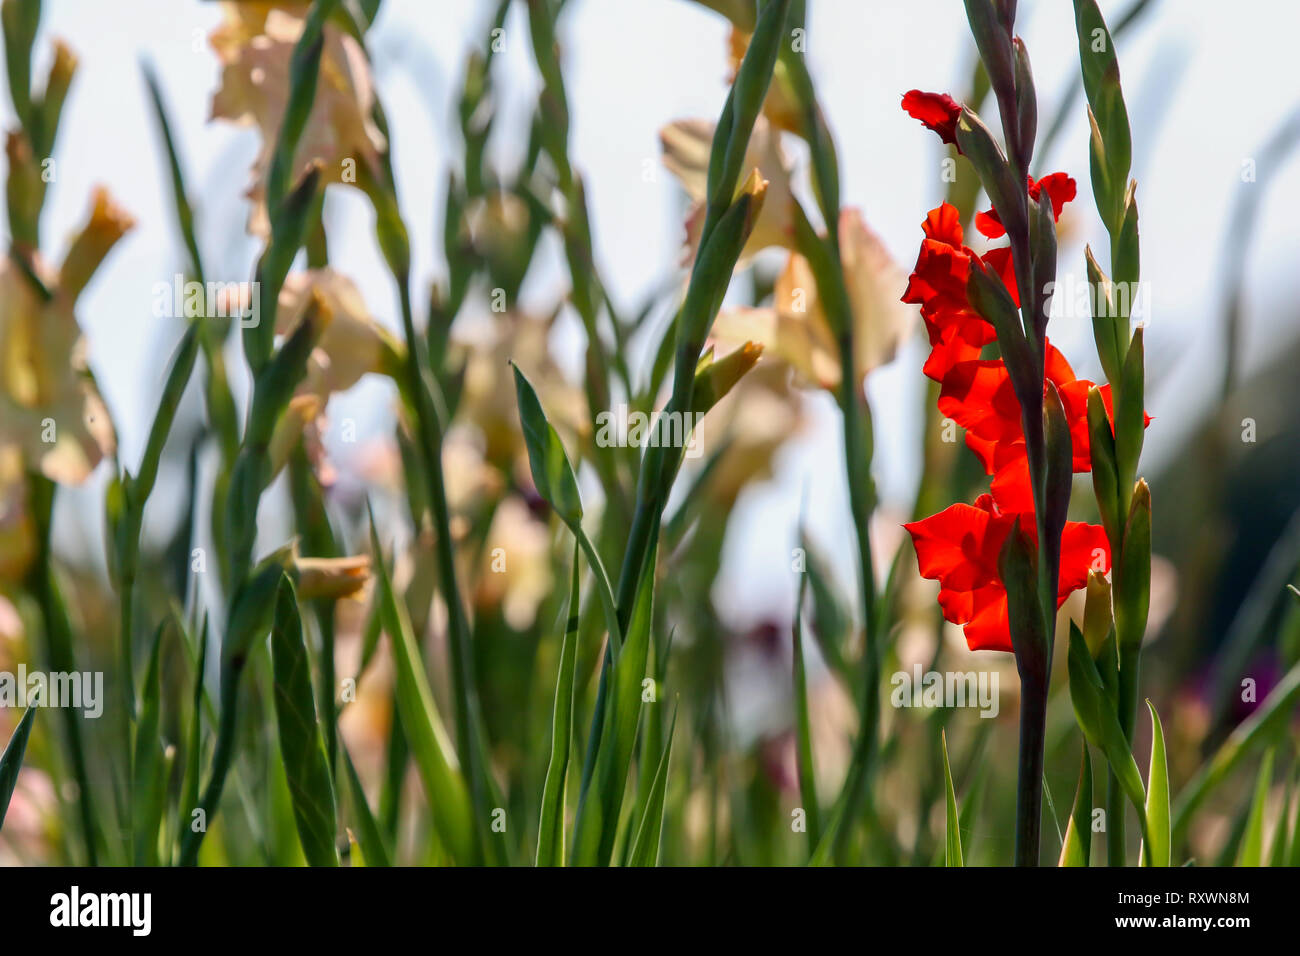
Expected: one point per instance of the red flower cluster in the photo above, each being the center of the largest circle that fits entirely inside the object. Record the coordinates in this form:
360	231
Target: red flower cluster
960	546
979	397
938	283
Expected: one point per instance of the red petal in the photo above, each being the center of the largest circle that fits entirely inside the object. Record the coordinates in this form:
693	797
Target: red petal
958	606
1074	398
979	397
952	546
955	337
938	111
990	627
990	224
945	355
1060	188
940	273
943	224
985	451
1084	548
1011	486
1055	368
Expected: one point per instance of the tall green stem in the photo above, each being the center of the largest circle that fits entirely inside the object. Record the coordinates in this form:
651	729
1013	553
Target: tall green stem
1029	782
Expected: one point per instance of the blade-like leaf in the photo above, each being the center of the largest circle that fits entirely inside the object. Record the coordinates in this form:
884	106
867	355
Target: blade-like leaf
645	849
1096	716
301	744
830	617
550	833
1282	834
1155	852
1293	851
650	745
444	784
184	212
367	833
1077	845
557	484
147	788
952	844
189	798
552	473
1251	851
12	760
803	732
602	801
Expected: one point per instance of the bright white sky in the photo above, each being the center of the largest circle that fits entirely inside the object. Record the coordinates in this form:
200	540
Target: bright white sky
1207	83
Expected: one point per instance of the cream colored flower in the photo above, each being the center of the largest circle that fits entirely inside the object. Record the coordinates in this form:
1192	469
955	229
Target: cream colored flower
795	329
352	344
487	398
255	45
299	422
516	573
470	482
49	406
748	425
686	145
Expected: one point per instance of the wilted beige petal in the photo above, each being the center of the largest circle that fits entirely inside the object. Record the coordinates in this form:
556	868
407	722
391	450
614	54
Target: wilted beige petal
874	282
107	223
798	303
304	408
686	145
754	420
517	573
352	344
331	577
795	329
255	45
83	435
487	399
469	479
49	405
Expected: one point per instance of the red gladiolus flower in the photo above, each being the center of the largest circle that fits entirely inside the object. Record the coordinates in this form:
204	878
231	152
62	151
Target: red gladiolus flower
959	548
978	396
938	284
1060	189
938	111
